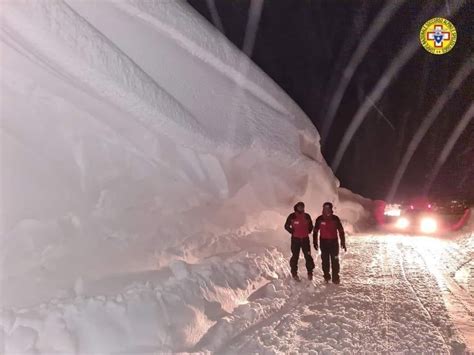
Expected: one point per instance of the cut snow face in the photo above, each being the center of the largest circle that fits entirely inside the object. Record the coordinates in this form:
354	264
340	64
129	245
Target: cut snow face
130	128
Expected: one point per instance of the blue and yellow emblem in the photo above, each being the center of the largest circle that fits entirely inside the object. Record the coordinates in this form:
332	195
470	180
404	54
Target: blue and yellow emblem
438	35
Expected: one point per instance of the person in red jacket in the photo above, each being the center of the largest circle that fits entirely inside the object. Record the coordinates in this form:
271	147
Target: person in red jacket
299	224
329	226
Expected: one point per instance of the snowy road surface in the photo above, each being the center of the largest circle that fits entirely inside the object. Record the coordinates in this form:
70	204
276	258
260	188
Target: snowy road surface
233	294
393	297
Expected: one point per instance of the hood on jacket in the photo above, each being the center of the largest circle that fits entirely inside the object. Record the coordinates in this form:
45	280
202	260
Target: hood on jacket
295	207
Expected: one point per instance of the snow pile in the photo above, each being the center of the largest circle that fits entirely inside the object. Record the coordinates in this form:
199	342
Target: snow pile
354	207
166	310
134	136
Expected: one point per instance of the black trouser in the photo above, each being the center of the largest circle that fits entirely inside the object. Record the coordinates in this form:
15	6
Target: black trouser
330	252
296	245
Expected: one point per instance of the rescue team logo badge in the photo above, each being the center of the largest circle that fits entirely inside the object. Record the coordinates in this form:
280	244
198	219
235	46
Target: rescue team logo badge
438	35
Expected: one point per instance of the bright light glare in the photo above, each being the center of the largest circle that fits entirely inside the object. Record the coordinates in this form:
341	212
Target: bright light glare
402	223
392	210
428	225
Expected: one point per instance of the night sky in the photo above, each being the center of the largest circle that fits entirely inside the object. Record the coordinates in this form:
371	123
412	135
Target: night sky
304	46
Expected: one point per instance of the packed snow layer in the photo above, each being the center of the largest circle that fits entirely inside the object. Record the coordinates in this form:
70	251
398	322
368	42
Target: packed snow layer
134	138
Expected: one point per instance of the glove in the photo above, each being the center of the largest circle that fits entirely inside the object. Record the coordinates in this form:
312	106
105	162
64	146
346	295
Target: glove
315	246
343	246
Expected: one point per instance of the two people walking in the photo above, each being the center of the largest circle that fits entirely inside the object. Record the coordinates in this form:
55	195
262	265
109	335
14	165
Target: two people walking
328	229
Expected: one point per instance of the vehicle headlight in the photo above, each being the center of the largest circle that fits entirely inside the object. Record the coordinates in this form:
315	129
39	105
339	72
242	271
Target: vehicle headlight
428	225
402	223
392	210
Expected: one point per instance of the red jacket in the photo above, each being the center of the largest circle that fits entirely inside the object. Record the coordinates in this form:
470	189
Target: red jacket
299	225
328	228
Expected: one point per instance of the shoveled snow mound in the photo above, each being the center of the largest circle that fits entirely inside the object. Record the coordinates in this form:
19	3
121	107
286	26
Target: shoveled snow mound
148	311
132	136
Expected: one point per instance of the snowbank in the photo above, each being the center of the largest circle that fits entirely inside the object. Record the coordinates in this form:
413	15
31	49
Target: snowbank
133	134
354	207
166	310
468	223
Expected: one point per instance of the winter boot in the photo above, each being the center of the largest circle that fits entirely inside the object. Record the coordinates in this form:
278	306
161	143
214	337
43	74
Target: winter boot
296	277
310	276
336	280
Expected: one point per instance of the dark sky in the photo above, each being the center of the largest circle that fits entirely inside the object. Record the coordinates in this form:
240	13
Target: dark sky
304	46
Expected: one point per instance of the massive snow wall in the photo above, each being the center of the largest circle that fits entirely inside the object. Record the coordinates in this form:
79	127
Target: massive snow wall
131	127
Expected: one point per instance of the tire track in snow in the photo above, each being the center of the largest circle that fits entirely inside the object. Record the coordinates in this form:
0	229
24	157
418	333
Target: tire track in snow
447	282
411	287
417	296
384	295
455	297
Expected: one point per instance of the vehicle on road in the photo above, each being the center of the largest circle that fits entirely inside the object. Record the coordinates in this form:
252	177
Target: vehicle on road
423	216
